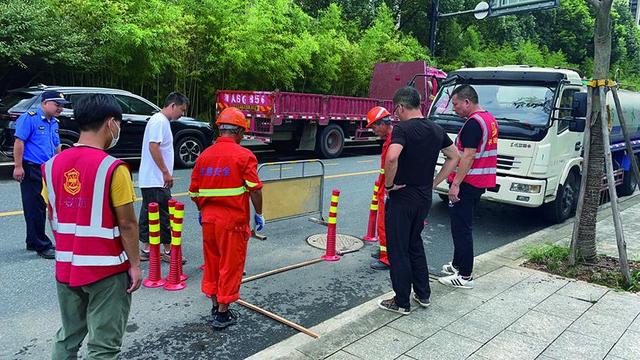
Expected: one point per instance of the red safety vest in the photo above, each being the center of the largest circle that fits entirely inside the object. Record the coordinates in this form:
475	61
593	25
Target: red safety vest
88	243
482	173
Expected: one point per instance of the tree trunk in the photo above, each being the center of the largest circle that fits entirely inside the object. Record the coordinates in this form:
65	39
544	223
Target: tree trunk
586	237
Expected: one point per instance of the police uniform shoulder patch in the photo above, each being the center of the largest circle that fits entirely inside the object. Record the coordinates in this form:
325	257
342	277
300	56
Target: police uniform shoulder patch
32	113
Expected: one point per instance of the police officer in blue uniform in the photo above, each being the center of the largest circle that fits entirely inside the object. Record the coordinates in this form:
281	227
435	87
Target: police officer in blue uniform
36	141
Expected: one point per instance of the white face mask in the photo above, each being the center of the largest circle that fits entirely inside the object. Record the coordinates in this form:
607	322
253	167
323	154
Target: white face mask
114	138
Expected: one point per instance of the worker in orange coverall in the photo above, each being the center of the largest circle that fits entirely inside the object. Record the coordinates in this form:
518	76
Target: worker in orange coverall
378	119
223	179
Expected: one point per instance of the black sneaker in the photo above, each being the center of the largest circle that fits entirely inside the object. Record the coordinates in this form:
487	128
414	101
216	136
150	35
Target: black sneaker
379	265
30	248
223	319
144	255
390	305
422	302
47	254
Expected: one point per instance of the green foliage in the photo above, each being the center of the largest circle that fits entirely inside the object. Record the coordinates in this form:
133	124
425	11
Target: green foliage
329	46
550	254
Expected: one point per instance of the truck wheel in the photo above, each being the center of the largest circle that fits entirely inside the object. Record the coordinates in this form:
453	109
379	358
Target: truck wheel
566	200
187	150
628	185
330	143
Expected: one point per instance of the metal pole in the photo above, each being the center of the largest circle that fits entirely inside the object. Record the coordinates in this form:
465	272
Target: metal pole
615	211
435	4
282	269
278	318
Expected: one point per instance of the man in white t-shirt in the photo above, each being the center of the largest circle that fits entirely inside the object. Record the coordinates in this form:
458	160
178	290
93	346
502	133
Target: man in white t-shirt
156	170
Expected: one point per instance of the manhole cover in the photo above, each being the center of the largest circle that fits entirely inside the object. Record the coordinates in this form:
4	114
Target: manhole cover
344	243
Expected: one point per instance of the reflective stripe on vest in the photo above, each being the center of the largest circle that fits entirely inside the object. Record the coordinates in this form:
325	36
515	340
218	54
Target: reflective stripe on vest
250	184
222	192
90	260
481	171
95	228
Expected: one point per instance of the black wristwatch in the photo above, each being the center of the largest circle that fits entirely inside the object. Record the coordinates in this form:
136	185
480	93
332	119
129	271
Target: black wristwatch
389	187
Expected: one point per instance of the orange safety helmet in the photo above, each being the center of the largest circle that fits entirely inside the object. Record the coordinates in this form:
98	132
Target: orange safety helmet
232	116
376	114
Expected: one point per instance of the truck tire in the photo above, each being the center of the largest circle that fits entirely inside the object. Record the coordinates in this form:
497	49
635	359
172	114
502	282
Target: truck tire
628	185
330	143
187	149
566	200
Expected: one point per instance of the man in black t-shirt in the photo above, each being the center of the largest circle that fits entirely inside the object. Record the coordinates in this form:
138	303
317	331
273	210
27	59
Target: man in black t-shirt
409	178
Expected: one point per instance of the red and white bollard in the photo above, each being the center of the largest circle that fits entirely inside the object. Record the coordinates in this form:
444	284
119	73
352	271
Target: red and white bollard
330	254
373	216
155	272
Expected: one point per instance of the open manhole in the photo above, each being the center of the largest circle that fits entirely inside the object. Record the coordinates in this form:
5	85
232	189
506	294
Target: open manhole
344	243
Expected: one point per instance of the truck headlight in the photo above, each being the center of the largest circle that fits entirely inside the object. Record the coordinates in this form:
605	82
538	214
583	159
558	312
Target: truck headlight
526	188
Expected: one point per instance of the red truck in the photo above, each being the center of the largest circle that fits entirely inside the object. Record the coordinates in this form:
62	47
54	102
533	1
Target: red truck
290	121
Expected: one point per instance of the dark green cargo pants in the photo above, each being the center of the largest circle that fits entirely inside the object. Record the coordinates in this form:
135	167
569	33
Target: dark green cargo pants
101	310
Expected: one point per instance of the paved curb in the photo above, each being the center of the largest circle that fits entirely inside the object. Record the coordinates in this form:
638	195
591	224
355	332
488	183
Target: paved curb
364	319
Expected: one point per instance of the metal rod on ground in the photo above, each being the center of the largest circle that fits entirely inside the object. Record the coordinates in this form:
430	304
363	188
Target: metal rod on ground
583	179
615	211
278	318
282	269
625	133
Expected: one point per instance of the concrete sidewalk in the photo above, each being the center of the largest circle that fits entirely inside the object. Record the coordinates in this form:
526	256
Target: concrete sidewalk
512	313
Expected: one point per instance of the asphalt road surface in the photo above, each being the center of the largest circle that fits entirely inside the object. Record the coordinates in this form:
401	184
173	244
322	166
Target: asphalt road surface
175	325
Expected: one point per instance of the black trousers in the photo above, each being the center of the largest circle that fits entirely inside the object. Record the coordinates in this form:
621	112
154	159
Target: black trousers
34	207
160	196
404	221
461	216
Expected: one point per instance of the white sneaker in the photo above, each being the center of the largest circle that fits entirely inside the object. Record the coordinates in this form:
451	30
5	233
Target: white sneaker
457	281
449	269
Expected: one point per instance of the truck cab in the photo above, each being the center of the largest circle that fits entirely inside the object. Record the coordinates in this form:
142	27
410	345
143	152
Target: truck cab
539	158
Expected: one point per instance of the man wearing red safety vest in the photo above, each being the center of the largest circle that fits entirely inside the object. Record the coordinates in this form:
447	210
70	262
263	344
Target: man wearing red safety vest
378	119
223	180
477	143
90	200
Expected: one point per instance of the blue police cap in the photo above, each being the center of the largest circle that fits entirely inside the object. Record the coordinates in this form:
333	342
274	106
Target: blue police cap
54	96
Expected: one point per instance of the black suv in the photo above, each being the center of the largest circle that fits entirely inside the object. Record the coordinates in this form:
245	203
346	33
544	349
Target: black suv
190	137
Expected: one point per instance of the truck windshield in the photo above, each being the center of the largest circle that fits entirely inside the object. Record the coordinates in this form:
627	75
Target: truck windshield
522	110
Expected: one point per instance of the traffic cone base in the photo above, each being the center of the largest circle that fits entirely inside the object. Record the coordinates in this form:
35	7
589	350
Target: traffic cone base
153	284
173	287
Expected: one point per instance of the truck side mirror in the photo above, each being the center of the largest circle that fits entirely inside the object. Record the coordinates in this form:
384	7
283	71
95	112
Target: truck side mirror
578	112
579	105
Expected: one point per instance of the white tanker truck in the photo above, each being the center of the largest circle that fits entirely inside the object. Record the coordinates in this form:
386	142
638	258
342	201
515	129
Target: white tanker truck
541	133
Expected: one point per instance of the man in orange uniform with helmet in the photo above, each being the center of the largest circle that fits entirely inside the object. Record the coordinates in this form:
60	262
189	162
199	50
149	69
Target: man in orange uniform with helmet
378	119
223	179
